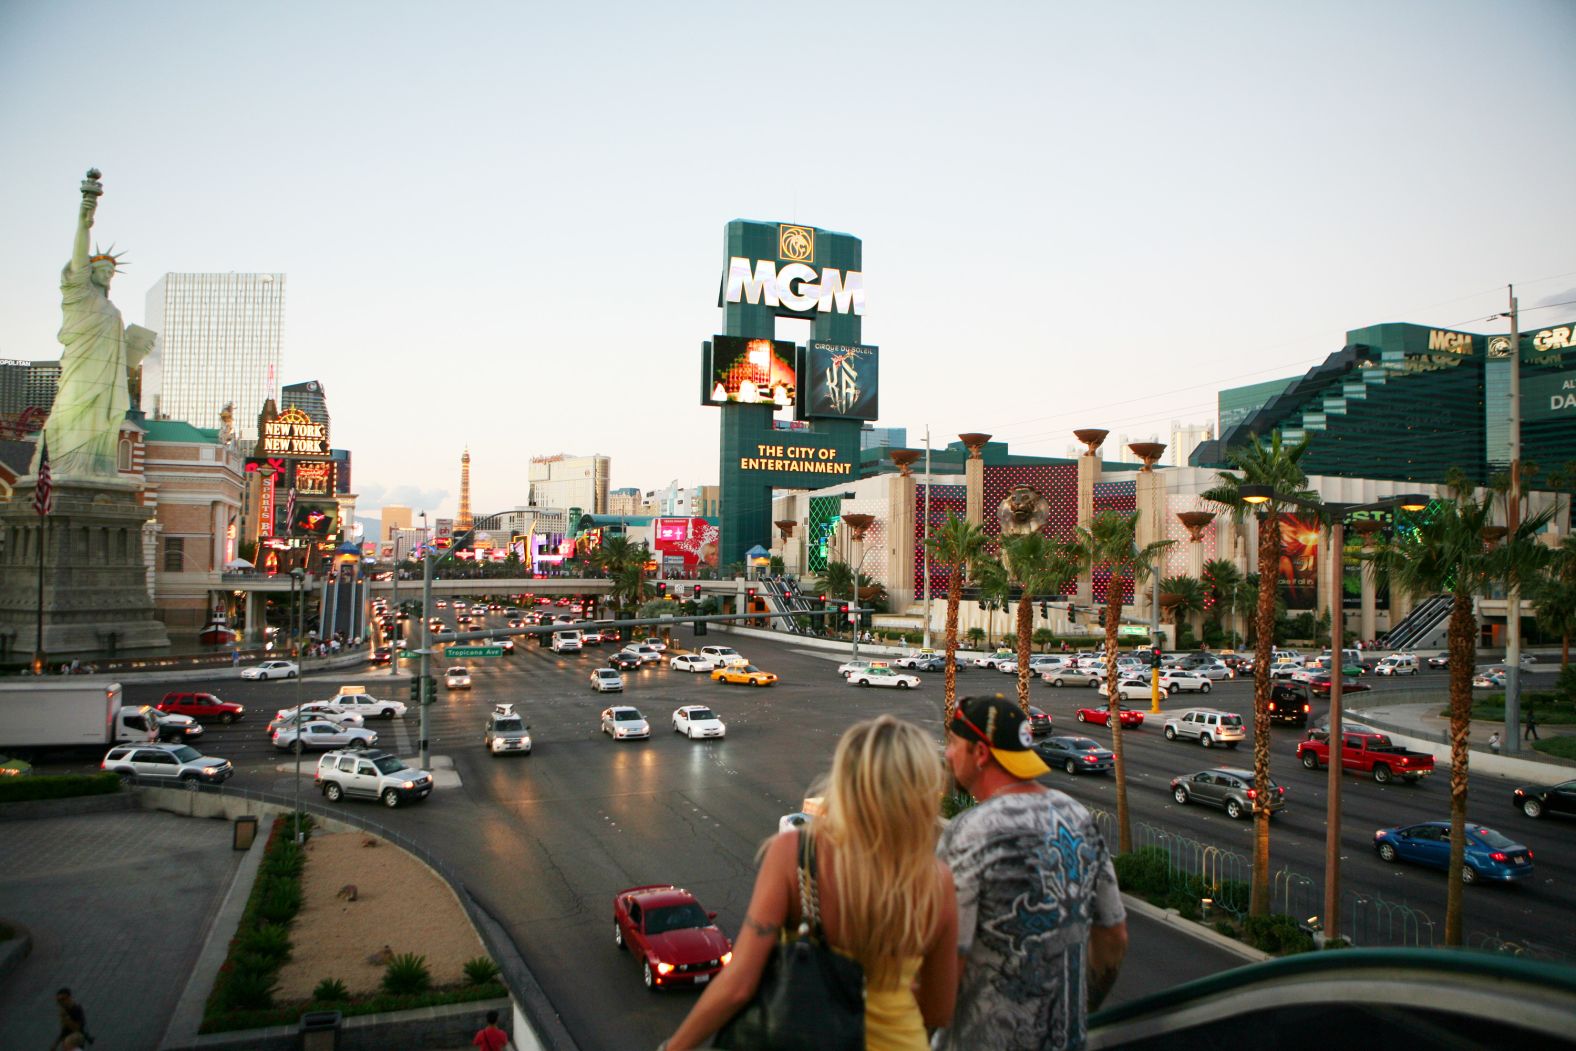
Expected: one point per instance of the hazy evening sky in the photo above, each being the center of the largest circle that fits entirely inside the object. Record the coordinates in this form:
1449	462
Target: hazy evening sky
502	223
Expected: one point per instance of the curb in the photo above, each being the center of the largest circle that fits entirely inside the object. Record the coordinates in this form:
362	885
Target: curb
1197	930
15	950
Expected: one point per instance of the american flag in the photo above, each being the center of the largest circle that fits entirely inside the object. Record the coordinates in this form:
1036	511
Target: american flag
290	512
44	491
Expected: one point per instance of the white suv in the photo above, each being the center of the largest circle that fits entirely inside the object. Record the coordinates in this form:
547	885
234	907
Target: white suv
566	642
371	775
1207	726
175	762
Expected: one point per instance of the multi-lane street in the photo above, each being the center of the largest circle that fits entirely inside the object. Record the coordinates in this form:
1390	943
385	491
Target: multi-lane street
546	840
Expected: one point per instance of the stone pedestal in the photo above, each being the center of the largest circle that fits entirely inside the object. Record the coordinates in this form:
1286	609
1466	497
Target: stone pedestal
96	598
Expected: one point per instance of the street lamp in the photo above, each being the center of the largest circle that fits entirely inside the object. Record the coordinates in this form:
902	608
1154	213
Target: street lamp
858	523
298	576
1335	513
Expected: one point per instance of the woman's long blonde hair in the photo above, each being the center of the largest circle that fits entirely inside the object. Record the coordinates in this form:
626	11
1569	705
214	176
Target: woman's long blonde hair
882	817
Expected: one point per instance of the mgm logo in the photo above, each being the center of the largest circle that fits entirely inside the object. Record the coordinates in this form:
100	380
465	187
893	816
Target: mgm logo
796	243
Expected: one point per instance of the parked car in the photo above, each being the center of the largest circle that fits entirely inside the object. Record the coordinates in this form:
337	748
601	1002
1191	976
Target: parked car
506	732
1489	855
201	706
675	940
371	775
1230	789
321	734
1076	755
271	670
173	762
607	680
1208	727
697	720
691	662
624	723
1130	718
1538	802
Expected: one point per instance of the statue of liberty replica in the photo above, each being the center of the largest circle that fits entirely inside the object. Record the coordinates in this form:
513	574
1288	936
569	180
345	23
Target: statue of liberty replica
75	582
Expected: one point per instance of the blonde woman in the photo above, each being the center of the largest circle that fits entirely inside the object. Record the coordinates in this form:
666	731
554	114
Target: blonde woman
885	899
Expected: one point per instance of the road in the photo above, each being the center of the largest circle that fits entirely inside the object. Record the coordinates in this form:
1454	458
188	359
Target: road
545	841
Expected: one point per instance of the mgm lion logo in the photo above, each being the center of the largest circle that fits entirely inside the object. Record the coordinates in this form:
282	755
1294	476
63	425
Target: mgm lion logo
1023	511
796	243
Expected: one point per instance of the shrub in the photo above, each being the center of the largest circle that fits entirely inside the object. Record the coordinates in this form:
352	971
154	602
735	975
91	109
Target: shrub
1276	934
330	991
287	860
480	970
407	974
280	899
18	789
250	990
1146	871
268	940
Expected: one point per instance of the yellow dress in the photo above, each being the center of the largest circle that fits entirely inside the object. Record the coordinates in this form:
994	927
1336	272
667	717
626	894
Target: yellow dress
892	1018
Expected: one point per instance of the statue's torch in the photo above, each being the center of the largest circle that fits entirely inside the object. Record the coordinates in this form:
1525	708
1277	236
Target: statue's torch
91	187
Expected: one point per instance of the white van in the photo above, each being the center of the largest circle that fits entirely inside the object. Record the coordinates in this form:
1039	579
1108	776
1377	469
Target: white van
566	642
1399	664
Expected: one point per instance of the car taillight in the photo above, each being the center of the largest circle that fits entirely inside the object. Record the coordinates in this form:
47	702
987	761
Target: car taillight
1307	708
1089	758
1253	793
1498	855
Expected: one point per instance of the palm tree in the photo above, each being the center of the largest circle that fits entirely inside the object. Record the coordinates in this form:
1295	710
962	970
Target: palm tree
837	580
1112	540
1187	595
1274	464
629	586
1449	551
956	545
1038	566
995	587
1222	582
1554	597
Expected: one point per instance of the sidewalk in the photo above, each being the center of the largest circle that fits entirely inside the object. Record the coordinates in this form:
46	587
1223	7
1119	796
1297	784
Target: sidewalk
1421	726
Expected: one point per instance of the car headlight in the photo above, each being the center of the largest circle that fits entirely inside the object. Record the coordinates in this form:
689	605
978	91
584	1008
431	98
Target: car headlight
409	784
727	958
209	771
664	968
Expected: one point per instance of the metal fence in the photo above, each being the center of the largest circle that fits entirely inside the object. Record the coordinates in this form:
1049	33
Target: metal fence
1373	921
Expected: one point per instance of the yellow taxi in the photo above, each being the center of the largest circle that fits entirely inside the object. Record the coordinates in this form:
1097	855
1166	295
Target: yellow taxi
743	675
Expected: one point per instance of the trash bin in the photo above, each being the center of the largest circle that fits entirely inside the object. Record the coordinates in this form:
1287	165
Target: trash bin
244	832
320	1030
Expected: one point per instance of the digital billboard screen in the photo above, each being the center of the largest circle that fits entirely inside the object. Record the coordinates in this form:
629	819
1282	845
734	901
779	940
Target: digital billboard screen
313	519
840	381
750	372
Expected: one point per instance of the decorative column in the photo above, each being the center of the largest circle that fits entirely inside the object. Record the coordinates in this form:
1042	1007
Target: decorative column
857	523
1367	623
1088	474
1150	494
791	561
974	477
901	517
1195	522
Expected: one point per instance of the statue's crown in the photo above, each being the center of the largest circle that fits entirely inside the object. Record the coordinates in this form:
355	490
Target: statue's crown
109	255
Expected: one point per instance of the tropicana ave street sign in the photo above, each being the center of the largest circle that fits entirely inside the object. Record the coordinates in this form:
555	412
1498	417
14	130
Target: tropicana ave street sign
473	651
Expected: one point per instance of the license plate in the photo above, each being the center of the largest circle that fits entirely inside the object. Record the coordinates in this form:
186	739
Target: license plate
702	979
1520	861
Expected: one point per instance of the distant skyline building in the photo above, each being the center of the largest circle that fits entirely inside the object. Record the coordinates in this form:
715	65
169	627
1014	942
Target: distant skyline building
220	340
624	501
311	399
569	481
392	517
873	437
28	384
463	520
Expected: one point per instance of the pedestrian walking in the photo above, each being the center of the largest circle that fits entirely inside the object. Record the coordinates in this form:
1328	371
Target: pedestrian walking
1493	742
490	1037
1531	732
73	1022
1041	927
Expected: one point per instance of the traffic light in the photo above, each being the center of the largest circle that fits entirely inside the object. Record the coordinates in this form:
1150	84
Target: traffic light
697	592
1154	657
749	593
662	589
415	689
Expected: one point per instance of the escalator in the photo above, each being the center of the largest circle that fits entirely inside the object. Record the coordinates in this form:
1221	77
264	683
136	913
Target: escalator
1422	628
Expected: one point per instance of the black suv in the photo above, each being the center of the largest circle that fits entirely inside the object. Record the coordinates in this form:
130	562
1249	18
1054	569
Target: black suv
1290	703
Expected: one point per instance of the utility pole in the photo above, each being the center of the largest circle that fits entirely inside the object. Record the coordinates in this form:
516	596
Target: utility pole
426	649
395	647
926	544
1512	739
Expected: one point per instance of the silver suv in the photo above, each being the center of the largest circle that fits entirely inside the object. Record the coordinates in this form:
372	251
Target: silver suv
174	762
1207	726
371	775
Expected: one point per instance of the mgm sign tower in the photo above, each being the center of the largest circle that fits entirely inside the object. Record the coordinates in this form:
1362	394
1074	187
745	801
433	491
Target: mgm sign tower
791	414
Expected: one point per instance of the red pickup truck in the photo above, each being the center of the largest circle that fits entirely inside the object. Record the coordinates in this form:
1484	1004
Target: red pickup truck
1368	753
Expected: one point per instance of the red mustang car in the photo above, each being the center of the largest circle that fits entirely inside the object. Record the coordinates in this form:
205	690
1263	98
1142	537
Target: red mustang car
1102	716
201	706
674	939
1320	684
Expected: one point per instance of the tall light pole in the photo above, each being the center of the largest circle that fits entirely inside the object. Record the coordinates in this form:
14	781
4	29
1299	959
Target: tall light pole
1512	739
1336	514
297	577
858	523
926	545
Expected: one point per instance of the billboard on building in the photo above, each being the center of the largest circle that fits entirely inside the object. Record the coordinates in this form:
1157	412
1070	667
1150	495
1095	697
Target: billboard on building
318	519
691	540
1298	573
839	381
749	372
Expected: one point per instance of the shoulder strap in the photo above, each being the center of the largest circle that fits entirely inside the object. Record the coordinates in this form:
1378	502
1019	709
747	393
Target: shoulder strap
809	900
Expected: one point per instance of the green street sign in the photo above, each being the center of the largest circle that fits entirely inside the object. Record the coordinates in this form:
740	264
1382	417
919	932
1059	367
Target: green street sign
1132	631
474	651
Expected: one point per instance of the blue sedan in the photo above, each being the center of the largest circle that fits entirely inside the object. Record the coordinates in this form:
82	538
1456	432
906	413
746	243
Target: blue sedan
1489	855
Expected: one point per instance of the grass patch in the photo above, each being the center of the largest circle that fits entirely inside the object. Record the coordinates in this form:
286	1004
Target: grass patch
62	786
1560	747
1551	708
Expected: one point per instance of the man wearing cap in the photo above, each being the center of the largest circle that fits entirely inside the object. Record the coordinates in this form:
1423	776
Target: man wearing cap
1041	928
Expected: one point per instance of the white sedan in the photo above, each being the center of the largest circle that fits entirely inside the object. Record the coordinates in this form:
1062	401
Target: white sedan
655	643
624	723
644	653
323	735
271	670
326	710
884	677
691	662
607	680
1174	680
457	679
847	668
697	720
1129	690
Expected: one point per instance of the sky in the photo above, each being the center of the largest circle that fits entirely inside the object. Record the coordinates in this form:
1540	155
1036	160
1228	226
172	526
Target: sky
501	223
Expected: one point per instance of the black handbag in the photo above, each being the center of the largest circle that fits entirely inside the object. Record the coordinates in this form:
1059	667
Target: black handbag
810	997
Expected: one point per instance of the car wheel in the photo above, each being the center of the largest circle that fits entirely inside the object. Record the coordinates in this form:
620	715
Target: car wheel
902	685
1056	682
1387	852
649	978
358	744
1082	717
1207	741
1468	874
189	783
1310	761
618	935
1206	687
290	674
332	792
1381	773
297	747
127	777
1171	734
1180	795
1094	684
1173	688
390	798
864	682
1233	809
1532	808
388	713
226	719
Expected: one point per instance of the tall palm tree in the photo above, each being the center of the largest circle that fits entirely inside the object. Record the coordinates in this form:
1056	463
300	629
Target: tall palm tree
1554	597
956	545
1448	552
1221	581
1038	566
995	587
1187	595
629	585
1112	540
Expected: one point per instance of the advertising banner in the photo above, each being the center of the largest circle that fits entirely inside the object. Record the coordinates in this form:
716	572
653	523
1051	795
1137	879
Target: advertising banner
749	372
315	519
839	381
692	541
1299	558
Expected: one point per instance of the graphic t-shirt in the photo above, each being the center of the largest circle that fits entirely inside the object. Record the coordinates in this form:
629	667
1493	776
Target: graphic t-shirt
1032	873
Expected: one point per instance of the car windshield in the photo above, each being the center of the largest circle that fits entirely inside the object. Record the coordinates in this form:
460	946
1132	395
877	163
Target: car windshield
186	754
508	725
1489	838
458	671
607	673
1083	744
675	918
751	667
626	715
696	714
388	764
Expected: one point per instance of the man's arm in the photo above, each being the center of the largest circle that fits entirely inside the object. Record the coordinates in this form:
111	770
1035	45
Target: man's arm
1107	947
